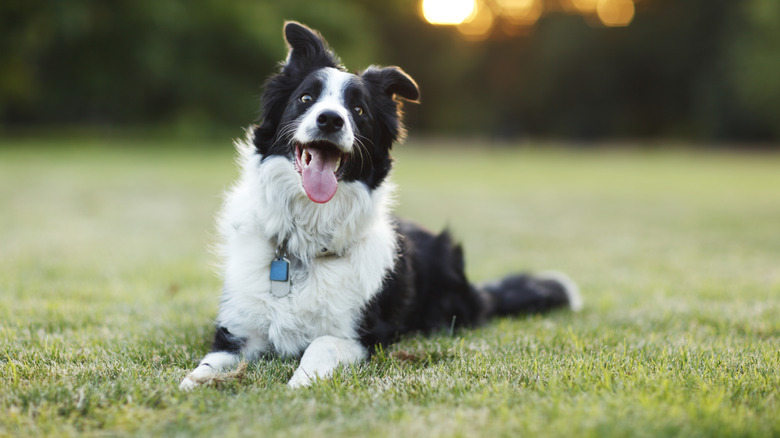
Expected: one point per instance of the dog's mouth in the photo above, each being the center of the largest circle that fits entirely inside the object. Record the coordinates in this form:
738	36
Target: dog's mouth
321	165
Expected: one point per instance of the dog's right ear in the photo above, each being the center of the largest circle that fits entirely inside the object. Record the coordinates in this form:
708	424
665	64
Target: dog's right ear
392	81
308	50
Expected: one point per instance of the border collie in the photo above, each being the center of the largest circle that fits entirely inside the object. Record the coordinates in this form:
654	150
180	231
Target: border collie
315	265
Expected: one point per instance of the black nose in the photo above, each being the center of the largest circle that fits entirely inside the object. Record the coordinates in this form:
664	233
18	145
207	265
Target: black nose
329	121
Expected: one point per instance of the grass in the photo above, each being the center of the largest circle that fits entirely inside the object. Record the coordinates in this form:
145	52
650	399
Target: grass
108	291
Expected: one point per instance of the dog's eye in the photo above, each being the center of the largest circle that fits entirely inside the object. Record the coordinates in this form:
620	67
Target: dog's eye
306	98
358	110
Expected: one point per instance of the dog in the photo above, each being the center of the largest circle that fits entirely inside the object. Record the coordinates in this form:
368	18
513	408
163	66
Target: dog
315	264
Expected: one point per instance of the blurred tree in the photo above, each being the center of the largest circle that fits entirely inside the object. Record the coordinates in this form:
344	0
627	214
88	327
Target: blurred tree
657	77
695	69
754	66
669	74
144	61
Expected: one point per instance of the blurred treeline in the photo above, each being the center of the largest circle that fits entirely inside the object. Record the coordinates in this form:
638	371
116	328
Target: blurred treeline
694	70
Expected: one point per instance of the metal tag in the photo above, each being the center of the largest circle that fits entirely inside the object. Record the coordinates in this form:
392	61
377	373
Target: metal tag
280	277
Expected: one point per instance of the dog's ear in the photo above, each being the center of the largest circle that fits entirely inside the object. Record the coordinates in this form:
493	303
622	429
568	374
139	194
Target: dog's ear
387	83
308	50
393	82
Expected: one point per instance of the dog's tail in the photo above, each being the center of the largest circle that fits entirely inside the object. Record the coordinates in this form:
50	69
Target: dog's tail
528	294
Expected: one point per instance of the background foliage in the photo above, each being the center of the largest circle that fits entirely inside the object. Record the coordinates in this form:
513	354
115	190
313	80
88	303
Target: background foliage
697	69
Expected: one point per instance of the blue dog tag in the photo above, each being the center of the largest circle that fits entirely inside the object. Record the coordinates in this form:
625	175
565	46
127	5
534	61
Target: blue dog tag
280	270
280	277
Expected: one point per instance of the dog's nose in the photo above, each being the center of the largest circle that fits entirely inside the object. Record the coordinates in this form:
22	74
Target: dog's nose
330	121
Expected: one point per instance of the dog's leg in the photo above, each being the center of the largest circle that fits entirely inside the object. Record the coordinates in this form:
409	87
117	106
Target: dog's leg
210	366
225	353
323	355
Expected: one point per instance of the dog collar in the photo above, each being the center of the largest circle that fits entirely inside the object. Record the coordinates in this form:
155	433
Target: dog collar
280	270
325	252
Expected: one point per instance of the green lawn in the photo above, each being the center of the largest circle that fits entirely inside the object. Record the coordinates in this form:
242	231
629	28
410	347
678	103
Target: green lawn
108	291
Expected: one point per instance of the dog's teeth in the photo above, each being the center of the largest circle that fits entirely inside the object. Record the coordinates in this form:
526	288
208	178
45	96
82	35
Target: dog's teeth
338	163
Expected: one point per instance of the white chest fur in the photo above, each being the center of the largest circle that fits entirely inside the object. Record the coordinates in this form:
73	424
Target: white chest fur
328	293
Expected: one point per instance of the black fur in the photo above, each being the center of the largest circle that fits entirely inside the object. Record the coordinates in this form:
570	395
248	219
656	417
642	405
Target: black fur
428	291
225	341
518	294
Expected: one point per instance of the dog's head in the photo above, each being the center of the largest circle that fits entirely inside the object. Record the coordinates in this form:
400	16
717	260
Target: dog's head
332	125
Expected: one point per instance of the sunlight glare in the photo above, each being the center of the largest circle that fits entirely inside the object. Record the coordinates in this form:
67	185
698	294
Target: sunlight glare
448	12
521	12
615	13
585	6
478	26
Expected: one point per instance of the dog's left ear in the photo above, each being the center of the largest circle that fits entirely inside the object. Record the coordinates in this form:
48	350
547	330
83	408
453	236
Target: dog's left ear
308	50
392	81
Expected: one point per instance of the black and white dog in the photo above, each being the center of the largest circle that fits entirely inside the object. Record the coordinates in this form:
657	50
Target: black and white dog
314	262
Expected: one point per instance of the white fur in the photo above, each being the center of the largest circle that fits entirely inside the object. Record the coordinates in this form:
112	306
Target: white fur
209	367
330	99
340	252
323	356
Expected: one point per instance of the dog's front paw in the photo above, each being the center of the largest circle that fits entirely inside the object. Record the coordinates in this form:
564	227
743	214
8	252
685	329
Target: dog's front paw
202	374
300	379
188	384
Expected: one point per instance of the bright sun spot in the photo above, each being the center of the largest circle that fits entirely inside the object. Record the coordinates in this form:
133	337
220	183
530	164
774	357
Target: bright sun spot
448	11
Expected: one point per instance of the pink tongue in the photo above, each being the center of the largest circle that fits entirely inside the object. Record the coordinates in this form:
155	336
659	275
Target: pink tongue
319	179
